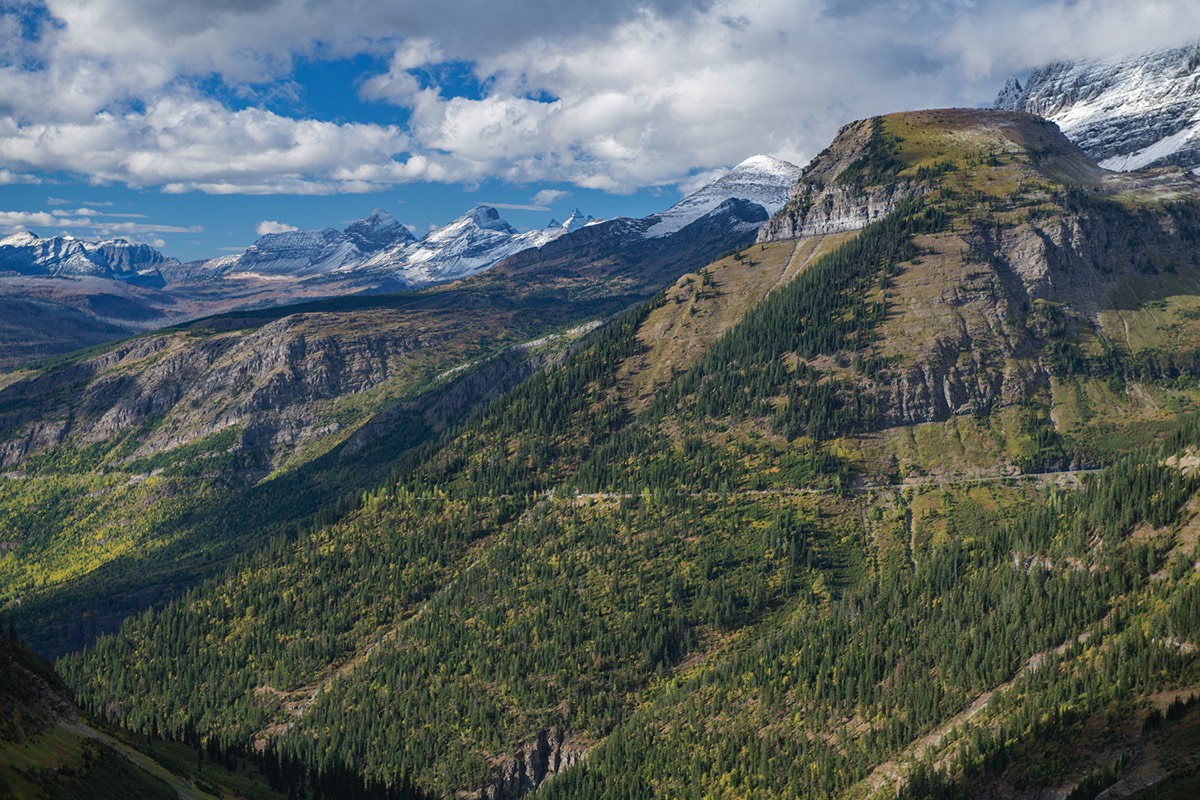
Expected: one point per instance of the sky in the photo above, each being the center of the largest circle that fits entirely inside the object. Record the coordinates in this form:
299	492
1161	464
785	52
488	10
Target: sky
199	125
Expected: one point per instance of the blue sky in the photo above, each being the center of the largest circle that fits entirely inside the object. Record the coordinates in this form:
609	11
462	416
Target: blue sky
196	125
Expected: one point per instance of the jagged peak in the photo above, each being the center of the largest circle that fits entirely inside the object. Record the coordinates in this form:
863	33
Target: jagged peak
379	215
1009	98
377	231
19	238
576	221
378	221
483	215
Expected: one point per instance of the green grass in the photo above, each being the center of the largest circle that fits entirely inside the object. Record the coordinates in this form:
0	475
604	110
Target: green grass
244	781
66	766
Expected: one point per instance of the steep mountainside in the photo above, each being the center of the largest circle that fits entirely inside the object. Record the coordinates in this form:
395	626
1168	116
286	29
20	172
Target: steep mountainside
132	472
1129	113
905	506
993	286
47	750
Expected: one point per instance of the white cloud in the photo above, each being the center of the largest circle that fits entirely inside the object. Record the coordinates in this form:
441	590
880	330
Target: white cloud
548	197
91	212
271	226
186	142
613	96
516	206
85	226
1001	39
8	177
12	221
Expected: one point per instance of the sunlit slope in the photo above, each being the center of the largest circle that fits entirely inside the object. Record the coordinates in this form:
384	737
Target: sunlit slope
822	518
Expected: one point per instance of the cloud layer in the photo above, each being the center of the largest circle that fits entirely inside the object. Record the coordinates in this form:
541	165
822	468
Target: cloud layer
90	222
179	94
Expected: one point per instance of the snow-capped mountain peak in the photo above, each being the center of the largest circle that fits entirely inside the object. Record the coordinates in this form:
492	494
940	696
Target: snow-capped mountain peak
576	221
761	167
1127	113
474	241
29	254
377	231
18	239
760	179
319	252
488	218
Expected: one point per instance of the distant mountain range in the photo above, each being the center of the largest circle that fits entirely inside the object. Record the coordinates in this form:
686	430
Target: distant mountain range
132	287
24	253
377	248
380	246
1127	113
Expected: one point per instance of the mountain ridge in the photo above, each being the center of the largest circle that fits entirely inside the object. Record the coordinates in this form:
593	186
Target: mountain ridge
1128	113
25	253
47	315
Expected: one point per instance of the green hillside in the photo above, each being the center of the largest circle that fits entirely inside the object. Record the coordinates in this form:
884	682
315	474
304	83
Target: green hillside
899	501
133	471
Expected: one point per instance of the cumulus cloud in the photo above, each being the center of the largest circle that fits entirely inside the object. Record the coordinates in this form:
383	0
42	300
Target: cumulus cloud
548	197
186	142
612	96
13	221
271	226
9	177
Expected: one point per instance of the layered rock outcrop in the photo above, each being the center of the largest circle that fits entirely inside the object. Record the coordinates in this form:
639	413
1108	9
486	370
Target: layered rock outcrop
547	754
824	201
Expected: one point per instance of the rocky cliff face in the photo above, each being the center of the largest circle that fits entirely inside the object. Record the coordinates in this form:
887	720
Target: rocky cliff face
546	755
823	202
272	385
1038	243
987	325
